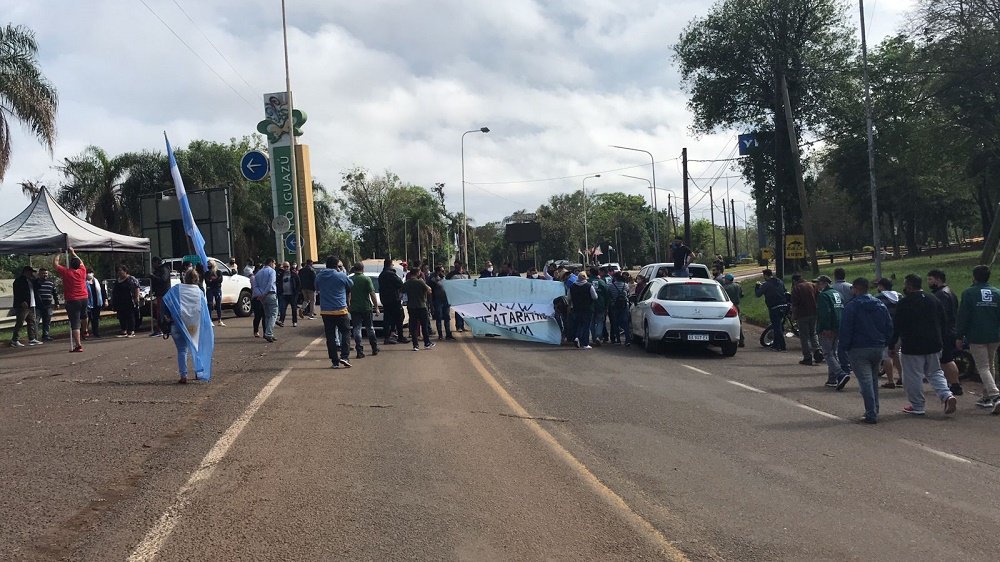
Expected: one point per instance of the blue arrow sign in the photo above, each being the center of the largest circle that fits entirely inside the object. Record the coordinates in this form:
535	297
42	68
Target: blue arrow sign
255	165
290	243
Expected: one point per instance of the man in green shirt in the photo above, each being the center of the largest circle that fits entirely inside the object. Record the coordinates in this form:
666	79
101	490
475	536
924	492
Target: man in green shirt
979	322
362	306
417	291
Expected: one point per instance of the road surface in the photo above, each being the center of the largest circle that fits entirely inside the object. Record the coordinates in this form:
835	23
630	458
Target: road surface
476	450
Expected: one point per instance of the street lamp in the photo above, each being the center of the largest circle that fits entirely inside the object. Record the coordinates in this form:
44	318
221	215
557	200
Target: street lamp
656	223
652	191
586	238
465	216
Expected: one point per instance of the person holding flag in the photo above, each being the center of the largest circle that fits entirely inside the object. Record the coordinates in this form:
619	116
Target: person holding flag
186	303
190	326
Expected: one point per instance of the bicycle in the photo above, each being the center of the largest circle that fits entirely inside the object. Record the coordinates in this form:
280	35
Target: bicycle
789	325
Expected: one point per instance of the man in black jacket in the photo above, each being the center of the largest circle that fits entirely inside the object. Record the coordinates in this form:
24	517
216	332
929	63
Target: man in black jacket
389	286
918	325
307	279
936	280
775	296
25	302
159	284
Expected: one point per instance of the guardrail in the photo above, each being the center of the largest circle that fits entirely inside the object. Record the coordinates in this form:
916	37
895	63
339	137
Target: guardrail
58	317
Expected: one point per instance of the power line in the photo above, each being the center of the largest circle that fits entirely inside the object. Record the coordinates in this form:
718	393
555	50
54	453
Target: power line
195	53
224	57
563	177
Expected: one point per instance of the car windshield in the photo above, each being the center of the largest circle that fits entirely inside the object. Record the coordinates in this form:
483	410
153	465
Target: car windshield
691	292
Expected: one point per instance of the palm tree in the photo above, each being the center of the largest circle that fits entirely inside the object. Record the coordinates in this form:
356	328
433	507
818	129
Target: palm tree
25	94
31	188
94	189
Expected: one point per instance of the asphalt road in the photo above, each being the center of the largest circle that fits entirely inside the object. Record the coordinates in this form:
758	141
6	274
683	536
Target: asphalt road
475	450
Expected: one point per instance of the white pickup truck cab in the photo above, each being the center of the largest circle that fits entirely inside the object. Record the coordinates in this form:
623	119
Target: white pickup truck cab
235	286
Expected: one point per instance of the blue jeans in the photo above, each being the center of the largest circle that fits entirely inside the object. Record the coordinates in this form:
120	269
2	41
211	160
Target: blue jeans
619	323
270	302
829	345
597	326
777	328
361	319
215	302
582	321
182	349
867	361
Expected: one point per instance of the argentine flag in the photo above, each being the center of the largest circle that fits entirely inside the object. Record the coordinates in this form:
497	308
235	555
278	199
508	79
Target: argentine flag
189	309
190	228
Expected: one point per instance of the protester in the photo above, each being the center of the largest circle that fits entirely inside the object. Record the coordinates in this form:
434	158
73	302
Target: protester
233	267
865	329
829	311
248	269
307	280
389	287
804	313
96	301
979	323
936	280
417	293
47	300
213	290
890	363
441	307
256	306
682	257
334	289
159	284
25	301
618	310
74	279
266	288
918	327
125	300
846	294
582	296
290	287
773	291
597	325
362	306
488	270
186	309
735	292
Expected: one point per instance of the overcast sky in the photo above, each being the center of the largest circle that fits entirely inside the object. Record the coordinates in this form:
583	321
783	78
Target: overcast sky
389	84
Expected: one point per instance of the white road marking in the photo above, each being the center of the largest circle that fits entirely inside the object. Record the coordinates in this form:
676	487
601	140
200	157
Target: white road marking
933	451
305	351
747	387
157	536
819	412
696	369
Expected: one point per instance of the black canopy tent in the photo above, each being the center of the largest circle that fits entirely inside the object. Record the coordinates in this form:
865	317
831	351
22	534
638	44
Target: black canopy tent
44	227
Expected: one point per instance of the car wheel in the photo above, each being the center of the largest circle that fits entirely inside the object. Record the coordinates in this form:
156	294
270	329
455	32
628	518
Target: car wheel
243	308
729	348
767	338
649	344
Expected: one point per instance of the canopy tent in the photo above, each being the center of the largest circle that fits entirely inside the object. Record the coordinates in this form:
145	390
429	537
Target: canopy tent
44	227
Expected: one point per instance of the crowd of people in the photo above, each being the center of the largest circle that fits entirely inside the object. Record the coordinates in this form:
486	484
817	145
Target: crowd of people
910	338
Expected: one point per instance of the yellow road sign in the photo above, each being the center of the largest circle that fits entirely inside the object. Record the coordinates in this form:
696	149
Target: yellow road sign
795	246
767	253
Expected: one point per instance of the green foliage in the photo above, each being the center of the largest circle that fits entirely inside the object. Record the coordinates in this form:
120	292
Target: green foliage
25	93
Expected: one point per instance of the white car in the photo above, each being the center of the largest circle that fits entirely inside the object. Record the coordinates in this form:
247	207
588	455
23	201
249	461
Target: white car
235	286
686	310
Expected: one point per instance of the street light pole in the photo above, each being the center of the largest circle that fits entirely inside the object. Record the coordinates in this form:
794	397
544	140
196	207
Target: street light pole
290	122
656	223
586	238
871	146
465	216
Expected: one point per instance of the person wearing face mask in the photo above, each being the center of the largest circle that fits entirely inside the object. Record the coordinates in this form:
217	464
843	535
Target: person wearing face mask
488	271
96	301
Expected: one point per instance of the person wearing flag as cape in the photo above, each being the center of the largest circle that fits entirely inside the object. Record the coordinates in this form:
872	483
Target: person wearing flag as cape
186	303
191	326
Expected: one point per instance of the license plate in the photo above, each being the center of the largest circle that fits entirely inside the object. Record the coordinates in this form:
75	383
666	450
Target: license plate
697	337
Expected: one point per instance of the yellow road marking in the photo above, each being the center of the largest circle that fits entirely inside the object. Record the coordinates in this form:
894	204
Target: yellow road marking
617	503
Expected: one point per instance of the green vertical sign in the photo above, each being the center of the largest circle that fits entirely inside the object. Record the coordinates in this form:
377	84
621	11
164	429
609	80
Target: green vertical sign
281	156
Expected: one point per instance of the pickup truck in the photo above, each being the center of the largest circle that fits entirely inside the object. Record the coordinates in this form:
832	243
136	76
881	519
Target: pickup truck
235	286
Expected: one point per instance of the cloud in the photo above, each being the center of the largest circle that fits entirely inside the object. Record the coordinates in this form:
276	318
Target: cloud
388	84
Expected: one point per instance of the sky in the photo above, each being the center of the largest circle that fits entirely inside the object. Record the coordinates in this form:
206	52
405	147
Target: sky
392	85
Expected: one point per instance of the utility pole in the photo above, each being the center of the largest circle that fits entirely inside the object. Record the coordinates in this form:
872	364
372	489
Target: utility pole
793	141
711	205
725	226
670	214
732	209
290	122
687	205
876	243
